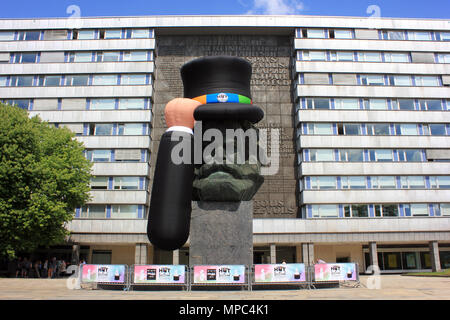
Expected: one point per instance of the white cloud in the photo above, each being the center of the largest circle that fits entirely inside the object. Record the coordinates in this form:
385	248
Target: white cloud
276	7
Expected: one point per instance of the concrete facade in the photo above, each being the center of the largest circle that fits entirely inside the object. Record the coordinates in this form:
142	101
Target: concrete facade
293	219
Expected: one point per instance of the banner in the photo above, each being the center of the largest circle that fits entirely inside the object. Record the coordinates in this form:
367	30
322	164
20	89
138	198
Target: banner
335	272
289	272
229	274
154	274
103	273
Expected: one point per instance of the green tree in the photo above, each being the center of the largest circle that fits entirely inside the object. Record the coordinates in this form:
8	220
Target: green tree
44	176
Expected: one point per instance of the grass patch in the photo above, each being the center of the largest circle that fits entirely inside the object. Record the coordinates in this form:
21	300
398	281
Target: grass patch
443	273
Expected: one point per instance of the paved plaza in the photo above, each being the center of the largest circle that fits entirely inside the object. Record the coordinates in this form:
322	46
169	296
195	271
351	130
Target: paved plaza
393	287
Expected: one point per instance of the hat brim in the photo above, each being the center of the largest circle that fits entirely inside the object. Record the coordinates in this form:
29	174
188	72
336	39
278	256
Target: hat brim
229	111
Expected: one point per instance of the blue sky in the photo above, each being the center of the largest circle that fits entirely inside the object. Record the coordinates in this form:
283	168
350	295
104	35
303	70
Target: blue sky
439	9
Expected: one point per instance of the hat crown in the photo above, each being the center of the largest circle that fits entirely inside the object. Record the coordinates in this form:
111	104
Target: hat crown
220	74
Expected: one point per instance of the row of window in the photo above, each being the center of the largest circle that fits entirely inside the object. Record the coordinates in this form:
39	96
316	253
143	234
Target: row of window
364	155
376	210
82	104
374	104
90	34
117	155
76	80
79	56
102	211
375	129
372	34
375	182
112	129
372	80
373	56
119	183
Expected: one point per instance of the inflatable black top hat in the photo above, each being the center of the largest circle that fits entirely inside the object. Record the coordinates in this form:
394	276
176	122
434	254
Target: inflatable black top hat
222	85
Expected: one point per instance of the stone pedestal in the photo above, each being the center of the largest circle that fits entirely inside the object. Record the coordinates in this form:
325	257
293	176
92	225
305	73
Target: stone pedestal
221	233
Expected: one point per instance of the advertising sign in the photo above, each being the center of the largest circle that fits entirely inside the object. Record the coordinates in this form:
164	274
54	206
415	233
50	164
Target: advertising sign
229	274
155	274
335	272
103	273
289	272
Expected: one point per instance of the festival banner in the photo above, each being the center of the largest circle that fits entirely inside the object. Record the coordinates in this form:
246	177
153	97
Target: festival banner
103	273
335	272
159	274
272	273
225	274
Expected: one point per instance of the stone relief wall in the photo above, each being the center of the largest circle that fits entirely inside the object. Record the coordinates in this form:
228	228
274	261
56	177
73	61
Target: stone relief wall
271	90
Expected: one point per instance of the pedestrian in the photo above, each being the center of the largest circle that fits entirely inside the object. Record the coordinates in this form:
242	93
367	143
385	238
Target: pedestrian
51	267
45	269
37	268
62	268
25	268
18	267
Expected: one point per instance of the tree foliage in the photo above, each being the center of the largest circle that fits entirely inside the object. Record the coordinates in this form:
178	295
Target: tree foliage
44	176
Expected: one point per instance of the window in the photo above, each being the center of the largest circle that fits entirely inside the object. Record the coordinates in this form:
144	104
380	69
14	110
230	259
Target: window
434	105
376	104
318	103
438	130
99	155
100	129
80	57
94	211
133	79
349	129
84	34
444	58
22	81
131	129
346	104
78	80
353	182
445	209
99	183
385	210
342	56
50	81
26	58
372	80
405	104
111	34
322	155
396	57
356	211
135	56
406	129
343	34
323	183
21	103
351	155
138	33
316	33
29	35
314	56
103	104
320	128
126	183
3	81
369	56
104	80
412	155
7	35
443	182
412	182
124	212
132	104
427	81
378	129
417	209
445	36
400	80
394	35
111	56
419	35
325	211
381	155
383	182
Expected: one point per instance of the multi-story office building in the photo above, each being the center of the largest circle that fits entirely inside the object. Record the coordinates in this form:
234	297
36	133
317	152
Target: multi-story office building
363	106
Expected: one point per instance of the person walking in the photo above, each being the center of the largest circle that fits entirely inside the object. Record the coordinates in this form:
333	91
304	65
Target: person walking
45	269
